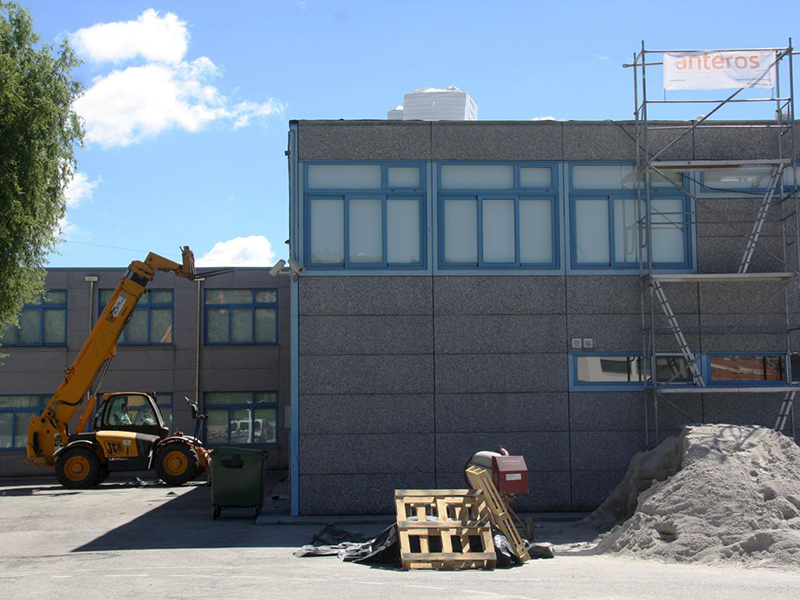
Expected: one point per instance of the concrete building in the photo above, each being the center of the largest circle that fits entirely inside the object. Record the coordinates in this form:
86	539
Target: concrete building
468	284
224	341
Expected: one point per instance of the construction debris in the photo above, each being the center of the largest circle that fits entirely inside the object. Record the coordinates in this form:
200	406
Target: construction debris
714	493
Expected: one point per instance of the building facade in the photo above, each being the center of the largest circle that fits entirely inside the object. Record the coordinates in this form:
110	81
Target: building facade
470	284
223	341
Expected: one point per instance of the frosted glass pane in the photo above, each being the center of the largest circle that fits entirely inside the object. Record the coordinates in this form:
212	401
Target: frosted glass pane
460	232
160	297
160	326
29	327
477	177
241	326
366	231
499	239
53	297
603	177
21	435
229	296
266	325
241	431
6	430
591	231
743	178
136	330
55	326
537	177
334	177
327	231
402	232
626	231
265	426
217	427
667	230
407	177
217	326
535	231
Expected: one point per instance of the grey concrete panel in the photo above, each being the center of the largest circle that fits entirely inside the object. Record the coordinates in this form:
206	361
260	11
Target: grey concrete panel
604	450
723	255
549	490
31	382
357	494
608	294
138	381
730	143
734	216
475	334
185	319
503	373
499	295
591	488
743	342
57	279
725	298
543	450
610	333
410	374
456	413
365	295
244	357
142	359
744	409
26	360
398	334
598	142
366	453
363	414
606	411
675	411
231	380
540	140
365	140
659	139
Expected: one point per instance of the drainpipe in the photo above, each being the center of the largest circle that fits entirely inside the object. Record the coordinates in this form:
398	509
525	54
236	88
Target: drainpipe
199	341
91	280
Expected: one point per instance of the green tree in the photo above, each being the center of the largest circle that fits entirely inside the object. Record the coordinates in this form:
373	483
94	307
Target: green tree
38	132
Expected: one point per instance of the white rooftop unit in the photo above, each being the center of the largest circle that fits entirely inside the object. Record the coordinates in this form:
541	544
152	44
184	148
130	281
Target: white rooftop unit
435	104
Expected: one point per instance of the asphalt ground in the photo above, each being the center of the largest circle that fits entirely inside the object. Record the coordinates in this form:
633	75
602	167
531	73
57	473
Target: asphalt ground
123	540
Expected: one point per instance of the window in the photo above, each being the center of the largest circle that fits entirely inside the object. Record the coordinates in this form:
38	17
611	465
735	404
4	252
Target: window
241	418
747	179
15	413
164	402
241	316
751	368
365	215
498	216
604	223
151	322
598	372
43	323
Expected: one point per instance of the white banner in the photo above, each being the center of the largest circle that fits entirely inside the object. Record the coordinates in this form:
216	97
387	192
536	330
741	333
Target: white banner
718	70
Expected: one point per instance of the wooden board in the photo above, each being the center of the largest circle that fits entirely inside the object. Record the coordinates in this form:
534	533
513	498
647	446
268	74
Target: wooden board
481	480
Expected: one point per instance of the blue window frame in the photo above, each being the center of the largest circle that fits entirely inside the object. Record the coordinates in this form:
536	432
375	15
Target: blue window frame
750	368
43	323
152	321
365	215
241	316
241	418
15	414
498	215
620	371
604	221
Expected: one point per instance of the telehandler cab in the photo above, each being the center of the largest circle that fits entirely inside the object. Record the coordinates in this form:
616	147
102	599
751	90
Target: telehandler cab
128	431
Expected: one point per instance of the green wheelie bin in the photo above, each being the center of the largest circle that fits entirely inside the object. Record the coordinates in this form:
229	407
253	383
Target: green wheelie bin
237	479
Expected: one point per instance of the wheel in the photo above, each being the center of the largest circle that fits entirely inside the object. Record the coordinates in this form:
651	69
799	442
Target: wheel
217	512
77	468
177	463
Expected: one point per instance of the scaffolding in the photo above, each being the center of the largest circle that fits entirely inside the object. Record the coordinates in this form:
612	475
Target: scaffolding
671	372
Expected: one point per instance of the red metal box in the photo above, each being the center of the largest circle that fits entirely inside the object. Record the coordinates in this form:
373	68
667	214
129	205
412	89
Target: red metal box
510	474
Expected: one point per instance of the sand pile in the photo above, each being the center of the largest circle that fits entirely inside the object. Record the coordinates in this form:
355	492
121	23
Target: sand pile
714	493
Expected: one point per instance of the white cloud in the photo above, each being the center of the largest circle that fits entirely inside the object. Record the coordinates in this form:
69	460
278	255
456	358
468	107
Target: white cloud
151	36
547	118
602	57
249	251
79	189
128	105
68	230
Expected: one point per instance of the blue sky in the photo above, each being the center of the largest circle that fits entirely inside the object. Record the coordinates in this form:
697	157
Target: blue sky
188	102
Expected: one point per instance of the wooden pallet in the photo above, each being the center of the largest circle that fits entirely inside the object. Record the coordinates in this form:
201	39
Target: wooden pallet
444	529
480	479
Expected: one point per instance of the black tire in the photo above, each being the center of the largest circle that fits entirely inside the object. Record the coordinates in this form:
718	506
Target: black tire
77	468
177	463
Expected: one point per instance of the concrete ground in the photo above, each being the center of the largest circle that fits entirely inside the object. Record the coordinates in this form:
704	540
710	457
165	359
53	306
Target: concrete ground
123	541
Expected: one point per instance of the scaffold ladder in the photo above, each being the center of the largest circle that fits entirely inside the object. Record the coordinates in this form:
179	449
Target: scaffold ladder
758	226
786	410
675	328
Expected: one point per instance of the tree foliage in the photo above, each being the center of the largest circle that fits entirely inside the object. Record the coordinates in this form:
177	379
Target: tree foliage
38	132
